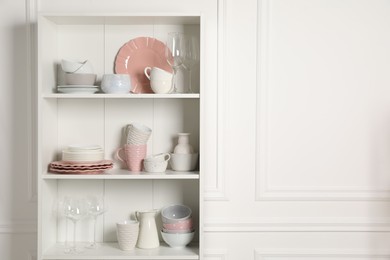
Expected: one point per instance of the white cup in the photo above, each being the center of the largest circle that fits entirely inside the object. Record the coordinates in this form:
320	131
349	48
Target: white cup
127	234
156	163
160	80
161	86
116	83
157	73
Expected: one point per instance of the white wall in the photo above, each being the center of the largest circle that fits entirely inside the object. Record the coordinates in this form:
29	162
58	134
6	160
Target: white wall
17	186
306	132
303	108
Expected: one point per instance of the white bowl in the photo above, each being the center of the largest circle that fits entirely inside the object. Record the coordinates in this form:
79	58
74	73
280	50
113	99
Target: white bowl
79	79
76	66
183	162
116	83
177	240
175	213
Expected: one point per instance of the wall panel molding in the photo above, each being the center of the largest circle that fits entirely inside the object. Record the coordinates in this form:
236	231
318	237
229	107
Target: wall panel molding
312	254
31	60
18	227
264	189
301	225
218	193
215	254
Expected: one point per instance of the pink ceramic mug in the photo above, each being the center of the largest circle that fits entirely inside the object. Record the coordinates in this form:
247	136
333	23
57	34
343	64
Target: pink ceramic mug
133	156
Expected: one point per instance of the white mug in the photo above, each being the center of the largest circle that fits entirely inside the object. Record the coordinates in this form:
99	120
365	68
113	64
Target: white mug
160	80
157	74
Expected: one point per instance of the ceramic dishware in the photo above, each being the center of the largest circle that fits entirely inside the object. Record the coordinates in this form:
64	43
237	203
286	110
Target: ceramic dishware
177	240
79	79
157	163
76	66
174	213
183	162
127	234
132	155
183	144
116	83
160	80
148	236
181	225
137	133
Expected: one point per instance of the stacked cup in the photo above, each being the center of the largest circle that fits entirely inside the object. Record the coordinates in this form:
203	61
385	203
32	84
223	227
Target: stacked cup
127	234
135	148
178	228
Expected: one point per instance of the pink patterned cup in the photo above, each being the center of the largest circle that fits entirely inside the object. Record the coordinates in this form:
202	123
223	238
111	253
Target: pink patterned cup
133	156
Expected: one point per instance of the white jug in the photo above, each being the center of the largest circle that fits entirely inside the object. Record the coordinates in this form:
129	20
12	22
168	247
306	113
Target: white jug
148	236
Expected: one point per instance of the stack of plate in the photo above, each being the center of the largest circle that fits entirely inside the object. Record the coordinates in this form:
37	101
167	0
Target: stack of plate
82	154
80	168
81	159
77	89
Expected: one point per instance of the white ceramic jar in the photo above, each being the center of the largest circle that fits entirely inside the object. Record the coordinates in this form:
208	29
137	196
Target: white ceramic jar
183	144
116	83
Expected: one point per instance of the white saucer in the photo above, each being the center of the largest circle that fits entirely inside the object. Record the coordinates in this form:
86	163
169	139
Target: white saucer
78	90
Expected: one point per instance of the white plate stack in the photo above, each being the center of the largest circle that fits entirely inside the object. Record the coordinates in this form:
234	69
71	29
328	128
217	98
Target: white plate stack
81	159
83	153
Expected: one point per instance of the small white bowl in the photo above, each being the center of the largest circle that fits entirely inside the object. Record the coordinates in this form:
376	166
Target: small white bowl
183	162
177	240
76	66
116	83
175	213
79	79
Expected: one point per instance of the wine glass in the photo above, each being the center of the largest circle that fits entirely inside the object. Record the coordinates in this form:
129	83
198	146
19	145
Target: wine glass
95	207
191	57
75	210
174	53
61	209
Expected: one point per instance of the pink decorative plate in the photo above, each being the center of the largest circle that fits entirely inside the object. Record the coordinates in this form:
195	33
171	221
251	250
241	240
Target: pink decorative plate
135	55
80	168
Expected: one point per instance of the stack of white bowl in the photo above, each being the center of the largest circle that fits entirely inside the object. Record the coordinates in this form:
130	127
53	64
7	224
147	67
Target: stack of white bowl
83	153
178	227
76	77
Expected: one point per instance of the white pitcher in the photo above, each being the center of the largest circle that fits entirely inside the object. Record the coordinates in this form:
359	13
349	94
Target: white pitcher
148	236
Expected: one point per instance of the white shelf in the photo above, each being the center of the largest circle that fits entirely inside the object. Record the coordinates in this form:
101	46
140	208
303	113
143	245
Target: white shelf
112	251
120	174
137	96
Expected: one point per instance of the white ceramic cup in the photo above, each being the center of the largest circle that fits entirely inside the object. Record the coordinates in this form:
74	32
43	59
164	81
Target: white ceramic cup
116	83
160	80
157	73
157	163
127	234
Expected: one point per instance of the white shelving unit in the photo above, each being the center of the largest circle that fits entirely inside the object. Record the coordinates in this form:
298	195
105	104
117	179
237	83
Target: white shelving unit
99	118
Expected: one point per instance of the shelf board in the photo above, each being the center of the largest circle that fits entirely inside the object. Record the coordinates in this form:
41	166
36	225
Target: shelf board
137	96
112	251
121	174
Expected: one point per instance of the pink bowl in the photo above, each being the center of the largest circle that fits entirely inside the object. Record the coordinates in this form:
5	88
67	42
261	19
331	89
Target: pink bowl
179	225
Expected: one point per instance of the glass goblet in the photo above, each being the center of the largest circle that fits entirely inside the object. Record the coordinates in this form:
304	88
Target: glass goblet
174	54
191	57
96	208
76	210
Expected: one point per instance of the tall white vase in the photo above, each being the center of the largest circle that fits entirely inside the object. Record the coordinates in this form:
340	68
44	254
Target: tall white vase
183	144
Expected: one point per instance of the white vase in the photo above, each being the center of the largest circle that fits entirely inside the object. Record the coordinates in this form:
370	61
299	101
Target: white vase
183	144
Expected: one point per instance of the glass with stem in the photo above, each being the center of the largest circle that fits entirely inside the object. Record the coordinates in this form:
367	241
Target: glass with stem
61	208
191	57
96	208
174	54
76	210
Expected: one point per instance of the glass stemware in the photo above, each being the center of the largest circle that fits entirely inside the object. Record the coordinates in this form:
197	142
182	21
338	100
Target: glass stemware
191	57
174	53
61	209
95	208
76	209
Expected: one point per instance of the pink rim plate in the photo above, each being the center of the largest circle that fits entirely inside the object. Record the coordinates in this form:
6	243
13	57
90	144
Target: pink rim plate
137	54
